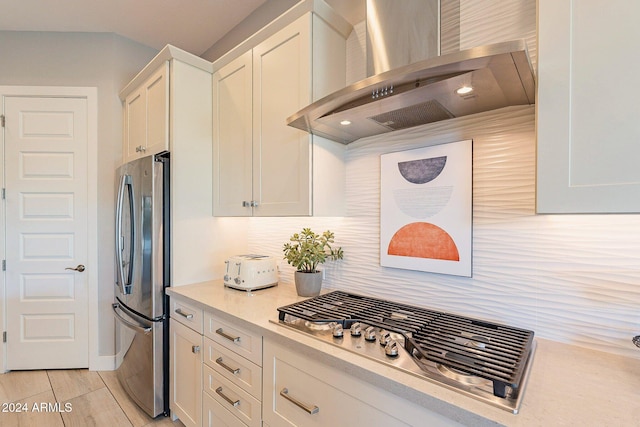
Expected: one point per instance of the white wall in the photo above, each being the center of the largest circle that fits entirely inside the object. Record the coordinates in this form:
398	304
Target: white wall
101	60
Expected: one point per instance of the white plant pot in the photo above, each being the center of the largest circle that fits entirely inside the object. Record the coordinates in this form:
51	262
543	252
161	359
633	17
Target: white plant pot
308	284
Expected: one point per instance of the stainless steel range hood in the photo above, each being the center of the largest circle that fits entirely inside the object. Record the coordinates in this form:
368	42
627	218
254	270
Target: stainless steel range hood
500	74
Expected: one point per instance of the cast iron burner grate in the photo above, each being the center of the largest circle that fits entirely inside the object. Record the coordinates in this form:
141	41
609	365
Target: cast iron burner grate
495	352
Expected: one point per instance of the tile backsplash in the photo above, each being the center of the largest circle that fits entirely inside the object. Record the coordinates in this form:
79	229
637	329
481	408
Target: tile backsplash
570	278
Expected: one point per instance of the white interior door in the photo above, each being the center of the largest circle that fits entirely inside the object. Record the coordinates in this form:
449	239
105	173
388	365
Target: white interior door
47	232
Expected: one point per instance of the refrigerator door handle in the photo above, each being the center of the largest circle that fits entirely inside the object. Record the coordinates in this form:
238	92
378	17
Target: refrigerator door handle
138	328
124	282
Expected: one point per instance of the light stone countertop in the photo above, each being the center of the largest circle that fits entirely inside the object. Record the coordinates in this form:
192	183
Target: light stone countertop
568	385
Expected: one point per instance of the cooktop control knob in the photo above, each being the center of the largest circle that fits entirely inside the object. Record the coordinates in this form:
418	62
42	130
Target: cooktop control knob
356	329
385	337
338	331
370	333
391	349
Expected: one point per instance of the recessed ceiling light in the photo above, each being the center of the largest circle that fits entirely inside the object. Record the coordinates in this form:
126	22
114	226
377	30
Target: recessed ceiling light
464	90
345	123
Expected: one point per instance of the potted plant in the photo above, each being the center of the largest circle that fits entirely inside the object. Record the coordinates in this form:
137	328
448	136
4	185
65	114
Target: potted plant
305	251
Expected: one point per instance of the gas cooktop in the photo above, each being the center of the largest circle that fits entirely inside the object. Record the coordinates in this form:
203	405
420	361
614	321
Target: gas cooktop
487	361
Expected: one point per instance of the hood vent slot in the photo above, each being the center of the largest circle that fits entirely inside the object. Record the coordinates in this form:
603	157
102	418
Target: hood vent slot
424	92
414	115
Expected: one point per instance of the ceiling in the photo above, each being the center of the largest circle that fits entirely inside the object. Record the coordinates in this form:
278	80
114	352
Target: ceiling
192	25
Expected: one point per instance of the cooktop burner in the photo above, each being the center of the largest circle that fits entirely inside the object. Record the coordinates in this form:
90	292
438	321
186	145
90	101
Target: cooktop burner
484	360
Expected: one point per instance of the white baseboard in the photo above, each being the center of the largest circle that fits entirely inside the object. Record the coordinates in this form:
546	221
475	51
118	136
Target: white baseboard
103	363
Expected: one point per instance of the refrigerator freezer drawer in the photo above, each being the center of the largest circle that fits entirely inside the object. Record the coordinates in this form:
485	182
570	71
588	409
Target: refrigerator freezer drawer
141	373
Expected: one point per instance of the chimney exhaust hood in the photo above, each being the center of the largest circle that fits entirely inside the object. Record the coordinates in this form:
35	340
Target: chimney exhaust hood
494	76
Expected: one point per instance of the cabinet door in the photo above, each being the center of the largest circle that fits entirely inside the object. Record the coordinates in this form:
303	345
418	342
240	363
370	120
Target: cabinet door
232	145
157	91
282	154
587	115
135	125
186	374
146	117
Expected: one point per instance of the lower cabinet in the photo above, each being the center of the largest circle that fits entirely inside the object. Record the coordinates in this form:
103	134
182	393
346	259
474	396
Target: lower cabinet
232	371
221	375
215	370
302	392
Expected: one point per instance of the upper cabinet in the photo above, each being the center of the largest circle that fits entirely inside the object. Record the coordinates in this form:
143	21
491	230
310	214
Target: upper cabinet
146	111
150	113
167	106
262	167
588	123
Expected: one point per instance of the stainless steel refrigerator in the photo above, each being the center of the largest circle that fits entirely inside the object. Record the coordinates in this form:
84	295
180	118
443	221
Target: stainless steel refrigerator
142	274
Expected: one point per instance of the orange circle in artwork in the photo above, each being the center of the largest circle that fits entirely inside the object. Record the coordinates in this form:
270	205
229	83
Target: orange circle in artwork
423	240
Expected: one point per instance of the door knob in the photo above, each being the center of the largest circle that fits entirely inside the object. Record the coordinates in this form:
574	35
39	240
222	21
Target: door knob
79	268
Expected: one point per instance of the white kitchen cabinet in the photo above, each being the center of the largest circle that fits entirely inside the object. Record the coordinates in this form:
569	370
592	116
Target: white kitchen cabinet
232	137
185	393
215	415
233	370
146	113
299	391
262	167
587	113
215	369
180	116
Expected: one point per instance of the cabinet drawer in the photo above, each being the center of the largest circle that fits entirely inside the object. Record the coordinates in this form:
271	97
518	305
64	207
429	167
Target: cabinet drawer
214	415
302	392
240	403
245	343
187	314
237	369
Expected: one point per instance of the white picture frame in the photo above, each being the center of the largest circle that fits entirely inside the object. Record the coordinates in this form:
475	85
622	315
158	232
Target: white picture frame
426	209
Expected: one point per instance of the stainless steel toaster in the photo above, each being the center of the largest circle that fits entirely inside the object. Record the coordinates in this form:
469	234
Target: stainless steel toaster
250	272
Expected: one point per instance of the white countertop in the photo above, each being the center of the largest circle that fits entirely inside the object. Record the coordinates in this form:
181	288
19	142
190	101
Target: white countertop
568	385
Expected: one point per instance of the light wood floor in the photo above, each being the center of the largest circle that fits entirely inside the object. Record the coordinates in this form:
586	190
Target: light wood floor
75	397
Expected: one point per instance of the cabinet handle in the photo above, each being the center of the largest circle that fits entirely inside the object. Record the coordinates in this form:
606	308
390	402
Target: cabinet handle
234	371
230	401
183	314
219	331
308	408
195	349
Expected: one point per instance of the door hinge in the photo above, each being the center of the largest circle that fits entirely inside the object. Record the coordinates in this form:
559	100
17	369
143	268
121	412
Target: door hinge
4	336
4	193
2	120
4	265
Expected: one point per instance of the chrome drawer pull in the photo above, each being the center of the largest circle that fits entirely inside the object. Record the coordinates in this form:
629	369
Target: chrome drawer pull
309	409
234	371
183	314
219	331
231	402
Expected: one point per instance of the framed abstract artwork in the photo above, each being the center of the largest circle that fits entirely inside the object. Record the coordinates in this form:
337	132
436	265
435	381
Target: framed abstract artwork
426	206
